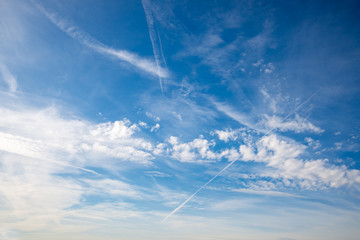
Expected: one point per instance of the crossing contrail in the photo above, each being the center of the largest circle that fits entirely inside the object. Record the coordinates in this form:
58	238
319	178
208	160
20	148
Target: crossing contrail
155	42
141	63
232	162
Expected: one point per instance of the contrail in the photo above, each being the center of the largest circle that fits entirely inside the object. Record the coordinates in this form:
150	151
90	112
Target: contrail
189	198
297	108
155	41
73	166
231	163
84	38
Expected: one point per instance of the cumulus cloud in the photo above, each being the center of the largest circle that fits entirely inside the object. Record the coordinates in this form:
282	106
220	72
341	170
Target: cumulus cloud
160	149
231	154
314	144
155	128
198	150
297	125
143	124
228	134
284	156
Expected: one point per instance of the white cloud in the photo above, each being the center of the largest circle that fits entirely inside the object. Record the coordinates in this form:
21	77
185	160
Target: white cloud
159	149
157	174
114	130
297	125
267	68
314	144
8	78
198	150
338	145
284	157
115	139
141	63
38	146
44	134
155	128
232	205
152	116
32	197
227	135
177	115
267	97
235	115
265	192
241	134
258	63
230	154
35	149
143	124
111	187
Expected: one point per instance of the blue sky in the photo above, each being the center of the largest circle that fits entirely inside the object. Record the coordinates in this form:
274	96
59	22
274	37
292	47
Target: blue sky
164	119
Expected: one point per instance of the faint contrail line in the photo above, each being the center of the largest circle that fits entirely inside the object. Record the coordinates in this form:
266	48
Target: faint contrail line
231	163
297	108
73	166
189	198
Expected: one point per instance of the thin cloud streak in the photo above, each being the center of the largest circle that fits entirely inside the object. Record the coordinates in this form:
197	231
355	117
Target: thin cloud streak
143	64
29	148
155	41
230	112
8	78
267	193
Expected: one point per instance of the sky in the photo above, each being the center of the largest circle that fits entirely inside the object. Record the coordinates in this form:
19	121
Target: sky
164	119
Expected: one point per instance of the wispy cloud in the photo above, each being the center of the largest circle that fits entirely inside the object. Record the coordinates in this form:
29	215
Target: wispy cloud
265	192
297	125
241	118
8	77
76	33
152	116
36	133
39	146
33	149
112	187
